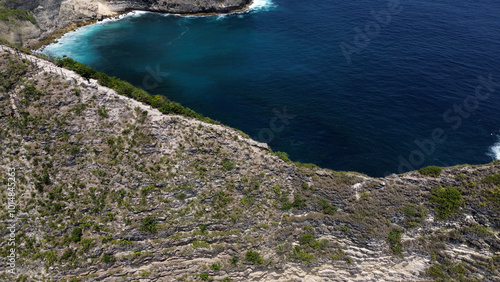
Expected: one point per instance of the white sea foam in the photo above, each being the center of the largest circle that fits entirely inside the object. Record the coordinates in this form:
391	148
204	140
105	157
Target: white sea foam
257	5
72	37
221	17
132	14
495	150
264	5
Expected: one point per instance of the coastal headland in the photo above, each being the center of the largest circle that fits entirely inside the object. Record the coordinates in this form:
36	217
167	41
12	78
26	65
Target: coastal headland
105	182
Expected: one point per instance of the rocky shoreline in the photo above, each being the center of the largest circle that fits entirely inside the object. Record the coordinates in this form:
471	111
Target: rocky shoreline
53	20
40	43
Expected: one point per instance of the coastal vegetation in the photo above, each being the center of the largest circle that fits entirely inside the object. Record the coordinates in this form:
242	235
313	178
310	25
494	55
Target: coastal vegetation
448	200
433	171
10	15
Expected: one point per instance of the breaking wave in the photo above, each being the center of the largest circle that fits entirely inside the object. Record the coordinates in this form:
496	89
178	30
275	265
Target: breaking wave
495	150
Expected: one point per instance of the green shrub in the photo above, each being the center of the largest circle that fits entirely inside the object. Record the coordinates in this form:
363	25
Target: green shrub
492	179
254	257
435	271
200	244
478	229
286	206
204	276
69	254
87	243
493	196
247	200
315	244
215	266
277	189
181	196
394	236
31	91
300	254
326	207
148	224
233	260
495	258
283	156
76	235
147	190
103	113
107	258
81	69
447	271
394	240
106	239
39	186
433	171
306	238
415	214
227	164
46	178
298	201
448	200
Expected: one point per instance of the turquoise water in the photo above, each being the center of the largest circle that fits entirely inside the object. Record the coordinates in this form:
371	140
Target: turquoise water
302	77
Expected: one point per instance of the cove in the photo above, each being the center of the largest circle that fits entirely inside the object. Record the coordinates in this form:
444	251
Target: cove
279	73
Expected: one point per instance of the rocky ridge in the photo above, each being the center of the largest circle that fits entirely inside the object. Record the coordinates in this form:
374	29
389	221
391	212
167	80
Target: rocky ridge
111	189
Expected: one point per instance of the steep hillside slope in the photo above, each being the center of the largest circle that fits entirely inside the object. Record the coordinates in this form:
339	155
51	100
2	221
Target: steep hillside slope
109	189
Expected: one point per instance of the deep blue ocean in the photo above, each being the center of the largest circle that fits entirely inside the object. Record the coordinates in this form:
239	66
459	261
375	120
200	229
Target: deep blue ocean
377	87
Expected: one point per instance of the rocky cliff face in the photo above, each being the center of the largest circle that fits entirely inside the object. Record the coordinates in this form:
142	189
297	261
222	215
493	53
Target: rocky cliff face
52	15
109	189
19	31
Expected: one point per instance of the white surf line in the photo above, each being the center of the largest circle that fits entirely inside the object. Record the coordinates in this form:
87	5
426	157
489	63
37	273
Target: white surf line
261	4
495	150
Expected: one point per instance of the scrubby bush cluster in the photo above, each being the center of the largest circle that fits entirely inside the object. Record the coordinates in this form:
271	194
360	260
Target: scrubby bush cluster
448	200
8	15
433	171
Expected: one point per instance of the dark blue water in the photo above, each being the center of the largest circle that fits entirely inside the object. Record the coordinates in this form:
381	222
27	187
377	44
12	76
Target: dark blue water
305	77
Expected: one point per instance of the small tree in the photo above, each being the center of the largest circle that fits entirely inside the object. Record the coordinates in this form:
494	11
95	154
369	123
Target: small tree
433	171
254	257
76	235
448	200
148	224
